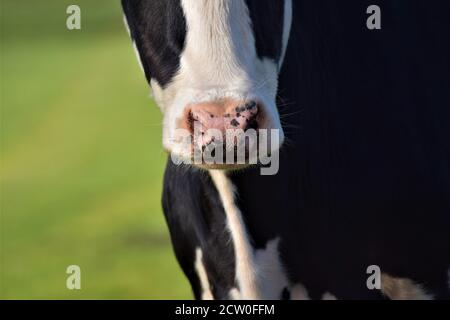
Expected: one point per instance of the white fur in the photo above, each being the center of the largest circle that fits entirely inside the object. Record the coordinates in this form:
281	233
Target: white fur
259	273
328	296
125	22
245	261
271	274
299	292
403	289
138	57
202	275
234	294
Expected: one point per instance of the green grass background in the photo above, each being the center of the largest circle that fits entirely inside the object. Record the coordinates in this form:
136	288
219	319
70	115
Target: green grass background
81	159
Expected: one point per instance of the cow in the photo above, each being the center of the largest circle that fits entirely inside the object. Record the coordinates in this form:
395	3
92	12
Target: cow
359	205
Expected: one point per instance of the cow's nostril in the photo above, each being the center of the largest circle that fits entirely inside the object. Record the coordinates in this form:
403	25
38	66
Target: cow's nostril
206	120
251	105
252	124
248	114
190	121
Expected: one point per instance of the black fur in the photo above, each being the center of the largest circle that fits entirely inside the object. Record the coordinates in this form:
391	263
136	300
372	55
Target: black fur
267	17
159	30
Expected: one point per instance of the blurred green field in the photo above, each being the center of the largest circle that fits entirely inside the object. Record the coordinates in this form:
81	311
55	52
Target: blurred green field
81	159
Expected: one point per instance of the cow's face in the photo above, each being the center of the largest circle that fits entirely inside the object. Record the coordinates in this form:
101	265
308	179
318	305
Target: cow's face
213	68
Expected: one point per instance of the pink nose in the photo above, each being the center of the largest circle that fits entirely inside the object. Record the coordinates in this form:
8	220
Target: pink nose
229	115
225	116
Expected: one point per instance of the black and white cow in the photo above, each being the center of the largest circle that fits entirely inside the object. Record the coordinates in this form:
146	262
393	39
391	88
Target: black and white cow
364	129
